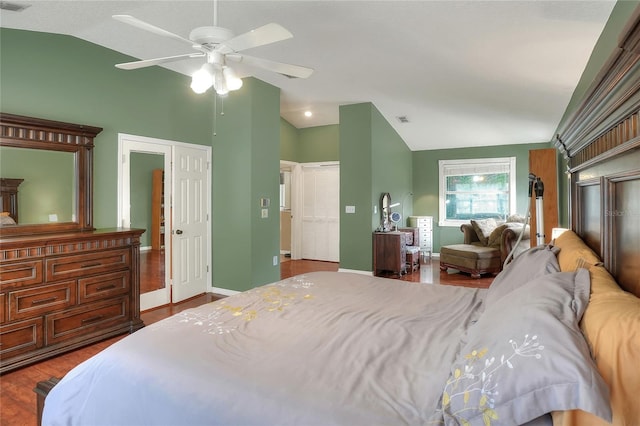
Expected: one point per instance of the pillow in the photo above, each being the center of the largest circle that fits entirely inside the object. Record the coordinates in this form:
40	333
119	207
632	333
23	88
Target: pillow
530	264
483	229
574	252
526	356
516	218
495	238
6	220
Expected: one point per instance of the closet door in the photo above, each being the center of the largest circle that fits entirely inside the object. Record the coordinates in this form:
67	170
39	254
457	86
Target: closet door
321	212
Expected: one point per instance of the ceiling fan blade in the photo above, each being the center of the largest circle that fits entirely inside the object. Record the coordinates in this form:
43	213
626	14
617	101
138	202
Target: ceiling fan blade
128	19
265	34
157	61
286	69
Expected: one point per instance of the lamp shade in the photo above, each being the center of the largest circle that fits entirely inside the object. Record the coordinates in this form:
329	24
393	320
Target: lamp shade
202	79
231	79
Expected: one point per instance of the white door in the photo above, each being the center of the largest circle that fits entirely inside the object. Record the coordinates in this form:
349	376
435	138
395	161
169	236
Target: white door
173	263
321	212
190	222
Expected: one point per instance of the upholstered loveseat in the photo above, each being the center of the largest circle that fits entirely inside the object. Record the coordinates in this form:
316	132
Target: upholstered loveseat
486	245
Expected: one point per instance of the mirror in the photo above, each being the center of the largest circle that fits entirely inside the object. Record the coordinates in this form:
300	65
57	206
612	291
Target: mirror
54	162
42	199
385	203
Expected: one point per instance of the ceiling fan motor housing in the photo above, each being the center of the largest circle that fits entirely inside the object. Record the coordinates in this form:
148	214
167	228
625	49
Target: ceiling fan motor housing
209	36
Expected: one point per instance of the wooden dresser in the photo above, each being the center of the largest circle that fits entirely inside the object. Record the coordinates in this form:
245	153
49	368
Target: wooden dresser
61	291
389	253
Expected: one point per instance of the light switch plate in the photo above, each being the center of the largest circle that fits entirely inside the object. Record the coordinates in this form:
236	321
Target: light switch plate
265	213
350	209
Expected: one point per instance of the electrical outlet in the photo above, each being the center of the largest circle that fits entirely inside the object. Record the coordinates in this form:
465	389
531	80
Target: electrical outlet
265	213
349	209
275	260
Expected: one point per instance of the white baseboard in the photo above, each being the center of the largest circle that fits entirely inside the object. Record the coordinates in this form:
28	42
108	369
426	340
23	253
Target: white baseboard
223	291
355	271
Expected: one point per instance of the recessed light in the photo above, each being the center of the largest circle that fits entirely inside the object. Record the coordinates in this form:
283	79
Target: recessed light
308	113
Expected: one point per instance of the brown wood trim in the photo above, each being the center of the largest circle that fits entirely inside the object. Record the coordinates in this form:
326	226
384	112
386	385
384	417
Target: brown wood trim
609	115
41	133
36	133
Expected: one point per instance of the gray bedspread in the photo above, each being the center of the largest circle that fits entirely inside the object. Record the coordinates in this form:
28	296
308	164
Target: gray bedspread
317	349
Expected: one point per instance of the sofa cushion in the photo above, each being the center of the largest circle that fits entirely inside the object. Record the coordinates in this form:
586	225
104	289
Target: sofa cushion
469	251
484	228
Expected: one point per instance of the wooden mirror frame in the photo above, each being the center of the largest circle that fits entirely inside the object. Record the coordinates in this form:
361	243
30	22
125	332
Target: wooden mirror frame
35	133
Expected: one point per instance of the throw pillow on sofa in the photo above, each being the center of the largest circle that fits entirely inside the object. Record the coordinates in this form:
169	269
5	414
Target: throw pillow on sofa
484	228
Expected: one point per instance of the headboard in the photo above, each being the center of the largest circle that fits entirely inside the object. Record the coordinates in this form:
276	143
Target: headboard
601	145
9	197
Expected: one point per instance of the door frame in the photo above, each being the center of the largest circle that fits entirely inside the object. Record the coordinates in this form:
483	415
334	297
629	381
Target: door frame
128	143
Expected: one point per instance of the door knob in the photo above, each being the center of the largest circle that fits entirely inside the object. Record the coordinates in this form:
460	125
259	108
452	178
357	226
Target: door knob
179	231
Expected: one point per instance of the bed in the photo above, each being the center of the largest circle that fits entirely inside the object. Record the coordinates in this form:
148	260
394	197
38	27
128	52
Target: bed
556	337
350	349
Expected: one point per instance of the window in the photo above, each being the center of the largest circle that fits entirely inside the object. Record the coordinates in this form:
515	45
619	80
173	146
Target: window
476	189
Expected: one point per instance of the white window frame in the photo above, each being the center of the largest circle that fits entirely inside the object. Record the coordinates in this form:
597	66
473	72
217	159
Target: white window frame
483	165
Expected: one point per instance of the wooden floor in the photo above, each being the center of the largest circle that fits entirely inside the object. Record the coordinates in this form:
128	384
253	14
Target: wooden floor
18	401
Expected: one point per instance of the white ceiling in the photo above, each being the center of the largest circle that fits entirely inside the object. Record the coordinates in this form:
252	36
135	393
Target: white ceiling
465	73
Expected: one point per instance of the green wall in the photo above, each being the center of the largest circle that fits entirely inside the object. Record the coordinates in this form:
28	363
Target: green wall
373	159
246	167
320	143
426	183
63	78
288	141
310	144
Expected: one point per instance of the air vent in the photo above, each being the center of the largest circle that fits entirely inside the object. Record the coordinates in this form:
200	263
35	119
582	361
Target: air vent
13	7
403	119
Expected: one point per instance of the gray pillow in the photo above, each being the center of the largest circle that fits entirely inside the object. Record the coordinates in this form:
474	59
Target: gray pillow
530	264
484	228
526	357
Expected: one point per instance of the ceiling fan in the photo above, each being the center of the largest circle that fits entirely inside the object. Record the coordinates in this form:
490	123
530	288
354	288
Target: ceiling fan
219	46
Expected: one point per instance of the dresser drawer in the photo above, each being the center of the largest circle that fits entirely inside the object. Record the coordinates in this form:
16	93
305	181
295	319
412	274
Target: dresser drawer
103	286
20	273
86	264
93	317
39	300
21	337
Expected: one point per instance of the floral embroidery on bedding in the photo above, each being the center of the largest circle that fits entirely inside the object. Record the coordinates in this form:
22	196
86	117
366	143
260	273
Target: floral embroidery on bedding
471	388
244	307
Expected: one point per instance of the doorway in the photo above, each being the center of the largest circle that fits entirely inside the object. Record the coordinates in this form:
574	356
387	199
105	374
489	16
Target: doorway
177	238
313	207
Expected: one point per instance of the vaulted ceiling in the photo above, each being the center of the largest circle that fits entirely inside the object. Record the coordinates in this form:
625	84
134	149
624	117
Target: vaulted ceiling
463	73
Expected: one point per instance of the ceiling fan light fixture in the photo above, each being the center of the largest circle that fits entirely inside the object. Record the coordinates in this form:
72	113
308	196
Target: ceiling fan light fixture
202	79
232	81
220	84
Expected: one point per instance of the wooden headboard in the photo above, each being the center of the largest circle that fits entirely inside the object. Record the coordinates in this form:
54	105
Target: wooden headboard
601	145
9	196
